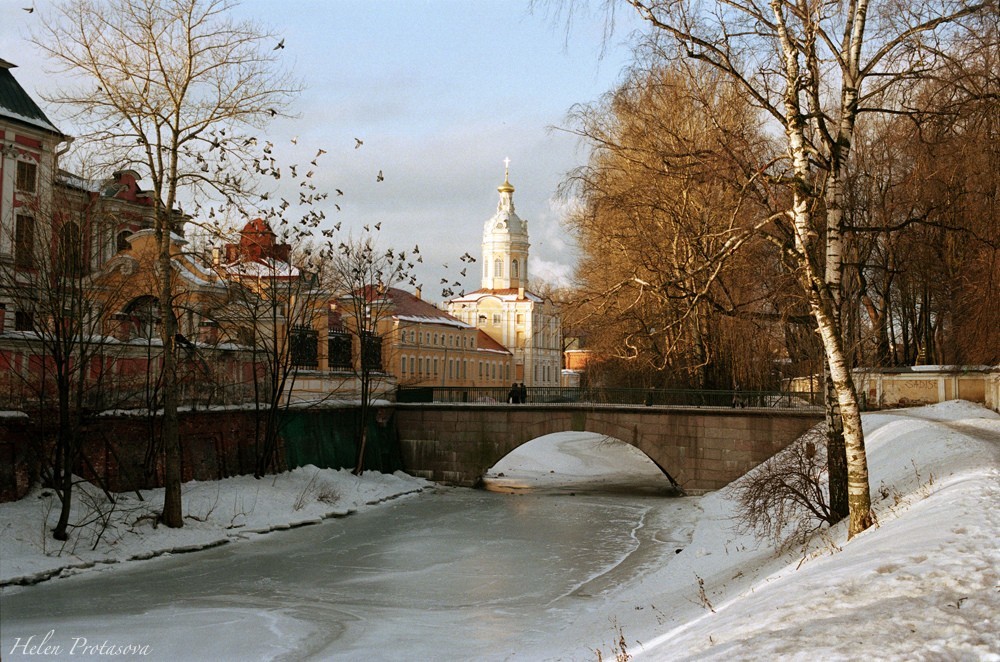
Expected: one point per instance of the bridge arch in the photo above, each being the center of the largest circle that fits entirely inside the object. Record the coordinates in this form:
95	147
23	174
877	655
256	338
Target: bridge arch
701	448
578	462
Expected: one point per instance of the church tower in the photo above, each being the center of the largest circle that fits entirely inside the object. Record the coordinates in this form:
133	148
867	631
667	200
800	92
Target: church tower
503	308
505	243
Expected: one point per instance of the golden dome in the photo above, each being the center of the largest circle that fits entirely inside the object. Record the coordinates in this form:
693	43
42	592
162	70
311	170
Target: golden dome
506	187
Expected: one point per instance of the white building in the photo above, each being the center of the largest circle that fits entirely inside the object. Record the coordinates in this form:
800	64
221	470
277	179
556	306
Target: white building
504	308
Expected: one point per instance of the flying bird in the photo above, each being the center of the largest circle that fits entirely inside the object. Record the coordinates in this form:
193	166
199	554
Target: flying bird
339	192
295	140
281	44
380	177
320	152
358	142
30	10
378	226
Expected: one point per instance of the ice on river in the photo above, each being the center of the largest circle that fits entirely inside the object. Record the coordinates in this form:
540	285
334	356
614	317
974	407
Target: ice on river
550	574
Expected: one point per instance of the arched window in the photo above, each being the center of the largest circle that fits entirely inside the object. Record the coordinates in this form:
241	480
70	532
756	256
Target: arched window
514	269
121	240
498	268
144	316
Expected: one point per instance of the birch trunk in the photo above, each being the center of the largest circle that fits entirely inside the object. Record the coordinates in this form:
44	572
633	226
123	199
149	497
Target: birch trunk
823	291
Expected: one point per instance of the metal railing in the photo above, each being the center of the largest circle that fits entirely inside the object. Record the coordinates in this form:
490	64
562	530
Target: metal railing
611	396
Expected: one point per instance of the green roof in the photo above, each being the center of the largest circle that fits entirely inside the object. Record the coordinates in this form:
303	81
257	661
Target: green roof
17	105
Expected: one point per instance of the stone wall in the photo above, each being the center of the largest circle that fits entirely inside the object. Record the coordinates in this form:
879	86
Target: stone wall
123	452
889	388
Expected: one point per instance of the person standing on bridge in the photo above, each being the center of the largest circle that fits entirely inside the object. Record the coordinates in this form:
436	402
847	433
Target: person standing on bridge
522	393
514	394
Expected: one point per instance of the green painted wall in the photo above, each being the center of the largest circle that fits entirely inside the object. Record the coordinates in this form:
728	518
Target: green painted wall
326	438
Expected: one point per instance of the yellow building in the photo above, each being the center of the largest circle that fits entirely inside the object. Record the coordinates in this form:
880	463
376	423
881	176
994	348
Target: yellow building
421	345
525	323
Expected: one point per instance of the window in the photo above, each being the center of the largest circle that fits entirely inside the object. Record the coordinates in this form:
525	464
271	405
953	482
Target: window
520	318
121	241
24	242
23	320
413	336
27	176
496	319
303	342
143	317
435	367
411	364
420	365
339	351
371	351
498	268
402	366
514	270
70	259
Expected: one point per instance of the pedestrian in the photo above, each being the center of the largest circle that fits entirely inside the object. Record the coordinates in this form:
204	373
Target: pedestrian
513	395
522	393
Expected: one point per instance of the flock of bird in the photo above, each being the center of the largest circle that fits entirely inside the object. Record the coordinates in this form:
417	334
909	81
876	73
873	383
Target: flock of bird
217	172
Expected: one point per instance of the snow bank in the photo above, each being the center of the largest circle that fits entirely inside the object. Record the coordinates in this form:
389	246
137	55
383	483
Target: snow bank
215	513
923	584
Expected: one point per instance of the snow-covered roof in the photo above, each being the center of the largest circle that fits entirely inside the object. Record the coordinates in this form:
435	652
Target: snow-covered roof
443	320
509	294
18	106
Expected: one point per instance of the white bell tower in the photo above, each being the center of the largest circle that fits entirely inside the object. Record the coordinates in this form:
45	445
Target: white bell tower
505	243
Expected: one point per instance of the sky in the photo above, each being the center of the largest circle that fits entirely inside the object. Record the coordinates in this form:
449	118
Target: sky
440	92
920	585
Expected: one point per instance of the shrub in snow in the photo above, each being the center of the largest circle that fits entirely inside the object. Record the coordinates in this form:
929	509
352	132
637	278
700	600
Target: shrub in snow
785	499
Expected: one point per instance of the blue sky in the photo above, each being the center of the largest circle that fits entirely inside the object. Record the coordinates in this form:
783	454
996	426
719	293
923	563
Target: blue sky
440	91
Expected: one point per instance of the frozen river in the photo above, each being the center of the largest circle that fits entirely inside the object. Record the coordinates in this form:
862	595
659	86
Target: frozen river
455	574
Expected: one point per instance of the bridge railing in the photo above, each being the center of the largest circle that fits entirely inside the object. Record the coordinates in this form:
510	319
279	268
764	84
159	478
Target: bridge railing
613	396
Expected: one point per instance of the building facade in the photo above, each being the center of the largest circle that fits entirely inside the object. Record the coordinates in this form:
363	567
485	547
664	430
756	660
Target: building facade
504	308
29	145
421	345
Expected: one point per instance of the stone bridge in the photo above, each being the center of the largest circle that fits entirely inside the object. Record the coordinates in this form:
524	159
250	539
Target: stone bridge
700	449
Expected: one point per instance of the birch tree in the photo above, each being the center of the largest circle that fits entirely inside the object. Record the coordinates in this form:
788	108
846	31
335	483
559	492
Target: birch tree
172	88
813	68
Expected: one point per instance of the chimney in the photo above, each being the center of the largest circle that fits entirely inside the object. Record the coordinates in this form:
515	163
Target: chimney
520	293
419	293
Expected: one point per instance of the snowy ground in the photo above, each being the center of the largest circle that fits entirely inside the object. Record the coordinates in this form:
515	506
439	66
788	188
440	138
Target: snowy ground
230	510
922	585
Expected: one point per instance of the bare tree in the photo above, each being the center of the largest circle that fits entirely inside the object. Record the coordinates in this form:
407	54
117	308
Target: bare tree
362	273
276	308
805	65
170	86
64	318
669	194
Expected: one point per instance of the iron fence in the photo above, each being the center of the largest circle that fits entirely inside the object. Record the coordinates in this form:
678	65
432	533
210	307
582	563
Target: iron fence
612	396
